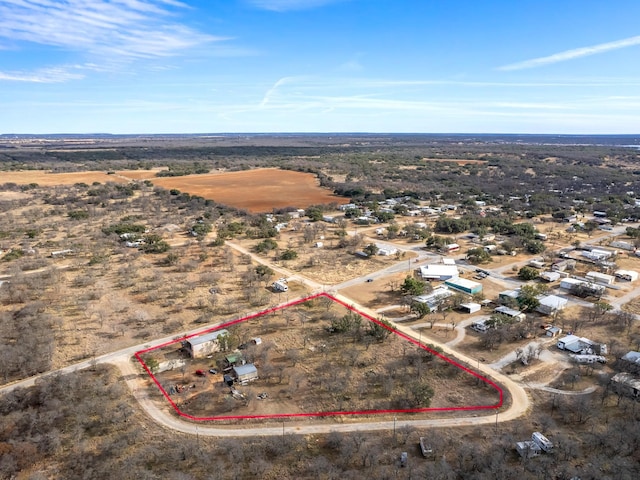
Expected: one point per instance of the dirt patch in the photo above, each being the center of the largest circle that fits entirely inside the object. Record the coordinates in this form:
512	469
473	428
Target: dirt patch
9	196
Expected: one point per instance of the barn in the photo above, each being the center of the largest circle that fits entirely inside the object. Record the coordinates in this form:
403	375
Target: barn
203	345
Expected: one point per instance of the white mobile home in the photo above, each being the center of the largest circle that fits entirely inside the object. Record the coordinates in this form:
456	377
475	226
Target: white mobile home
551	304
510	312
452	247
550	276
543	442
600	278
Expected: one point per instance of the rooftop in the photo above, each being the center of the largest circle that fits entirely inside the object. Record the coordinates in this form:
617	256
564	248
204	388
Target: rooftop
206	337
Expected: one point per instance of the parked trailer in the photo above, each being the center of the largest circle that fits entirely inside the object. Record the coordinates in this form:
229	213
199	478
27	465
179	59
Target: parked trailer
587	359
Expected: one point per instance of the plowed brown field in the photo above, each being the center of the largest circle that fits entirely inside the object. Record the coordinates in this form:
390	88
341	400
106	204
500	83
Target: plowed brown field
255	190
259	190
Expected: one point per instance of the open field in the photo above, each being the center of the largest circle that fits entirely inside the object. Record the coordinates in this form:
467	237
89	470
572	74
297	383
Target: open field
254	190
49	179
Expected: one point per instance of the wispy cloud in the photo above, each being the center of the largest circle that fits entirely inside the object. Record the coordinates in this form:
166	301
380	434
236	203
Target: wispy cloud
45	75
268	96
287	5
122	28
573	54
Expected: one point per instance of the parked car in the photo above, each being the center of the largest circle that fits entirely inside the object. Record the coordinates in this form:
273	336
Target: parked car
201	373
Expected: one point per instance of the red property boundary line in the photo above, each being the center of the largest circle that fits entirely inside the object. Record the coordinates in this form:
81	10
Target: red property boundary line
139	354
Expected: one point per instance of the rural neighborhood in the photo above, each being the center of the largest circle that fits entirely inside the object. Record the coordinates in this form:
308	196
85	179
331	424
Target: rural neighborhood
321	318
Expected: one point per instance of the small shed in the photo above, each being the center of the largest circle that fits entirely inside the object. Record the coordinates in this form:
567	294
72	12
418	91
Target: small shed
528	449
235	358
245	373
470	307
553	331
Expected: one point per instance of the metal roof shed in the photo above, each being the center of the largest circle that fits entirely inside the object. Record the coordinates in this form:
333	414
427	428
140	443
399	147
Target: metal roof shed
464	285
246	373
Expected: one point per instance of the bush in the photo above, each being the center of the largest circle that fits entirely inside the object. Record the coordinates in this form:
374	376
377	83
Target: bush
528	273
78	214
289	254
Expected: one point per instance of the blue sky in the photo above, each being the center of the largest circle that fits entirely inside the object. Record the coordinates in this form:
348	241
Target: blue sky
205	66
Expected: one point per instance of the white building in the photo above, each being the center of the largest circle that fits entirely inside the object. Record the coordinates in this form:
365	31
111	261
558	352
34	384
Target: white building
439	272
628	275
386	250
551	304
470	307
550	276
280	286
571	283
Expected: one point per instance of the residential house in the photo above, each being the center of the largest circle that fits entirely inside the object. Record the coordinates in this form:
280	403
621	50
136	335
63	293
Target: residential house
626	384
203	345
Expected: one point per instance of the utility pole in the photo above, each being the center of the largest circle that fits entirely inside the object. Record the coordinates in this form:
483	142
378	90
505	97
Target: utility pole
394	430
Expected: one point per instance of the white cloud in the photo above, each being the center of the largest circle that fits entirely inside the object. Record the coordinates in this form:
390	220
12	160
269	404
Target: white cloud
123	28
287	5
573	54
45	75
